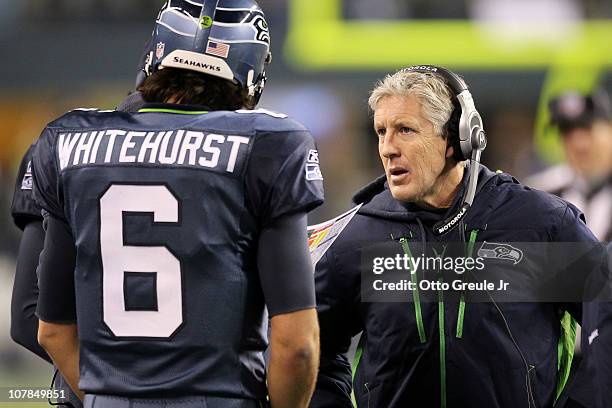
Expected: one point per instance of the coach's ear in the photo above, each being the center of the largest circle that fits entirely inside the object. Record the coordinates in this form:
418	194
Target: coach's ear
450	151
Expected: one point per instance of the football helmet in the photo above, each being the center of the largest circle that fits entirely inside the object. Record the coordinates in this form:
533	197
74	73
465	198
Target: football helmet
229	39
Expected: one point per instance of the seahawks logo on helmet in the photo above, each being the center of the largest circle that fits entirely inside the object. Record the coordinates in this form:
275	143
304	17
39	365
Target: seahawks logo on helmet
263	33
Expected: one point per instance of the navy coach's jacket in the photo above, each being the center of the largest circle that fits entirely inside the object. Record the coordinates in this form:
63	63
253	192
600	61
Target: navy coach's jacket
444	353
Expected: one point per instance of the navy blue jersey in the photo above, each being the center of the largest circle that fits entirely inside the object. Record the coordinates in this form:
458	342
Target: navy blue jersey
24	209
165	209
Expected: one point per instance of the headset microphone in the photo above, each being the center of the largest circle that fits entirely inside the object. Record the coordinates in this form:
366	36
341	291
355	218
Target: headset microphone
450	223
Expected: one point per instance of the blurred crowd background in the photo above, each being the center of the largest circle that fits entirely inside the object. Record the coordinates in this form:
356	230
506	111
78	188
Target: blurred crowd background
327	55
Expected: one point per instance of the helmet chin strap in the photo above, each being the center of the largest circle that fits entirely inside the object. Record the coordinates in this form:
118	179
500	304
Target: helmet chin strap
255	86
451	222
250	83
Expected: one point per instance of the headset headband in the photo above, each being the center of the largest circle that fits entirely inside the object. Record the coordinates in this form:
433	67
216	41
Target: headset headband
454	81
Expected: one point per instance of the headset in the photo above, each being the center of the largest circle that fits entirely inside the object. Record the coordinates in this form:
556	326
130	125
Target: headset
466	135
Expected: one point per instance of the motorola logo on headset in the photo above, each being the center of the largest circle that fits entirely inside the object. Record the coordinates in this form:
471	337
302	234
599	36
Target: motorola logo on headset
451	224
422	68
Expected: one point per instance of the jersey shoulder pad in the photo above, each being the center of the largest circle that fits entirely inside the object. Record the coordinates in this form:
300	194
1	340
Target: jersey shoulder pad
79	117
266	120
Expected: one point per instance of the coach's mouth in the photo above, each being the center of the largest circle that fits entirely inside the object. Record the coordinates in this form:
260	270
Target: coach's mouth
398	173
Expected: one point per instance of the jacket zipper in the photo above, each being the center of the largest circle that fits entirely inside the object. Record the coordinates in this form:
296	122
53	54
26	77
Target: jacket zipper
461	312
442	339
415	293
441	322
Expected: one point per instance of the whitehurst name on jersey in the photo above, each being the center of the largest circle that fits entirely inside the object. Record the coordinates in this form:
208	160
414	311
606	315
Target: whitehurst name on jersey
171	148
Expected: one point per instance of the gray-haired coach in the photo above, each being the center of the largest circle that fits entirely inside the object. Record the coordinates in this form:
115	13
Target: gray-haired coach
445	348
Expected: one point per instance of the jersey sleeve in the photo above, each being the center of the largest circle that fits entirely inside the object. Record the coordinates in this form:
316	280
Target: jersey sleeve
56	298
46	182
24	209
283	246
284	174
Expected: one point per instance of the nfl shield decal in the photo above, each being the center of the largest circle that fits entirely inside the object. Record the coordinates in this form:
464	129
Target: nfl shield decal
160	49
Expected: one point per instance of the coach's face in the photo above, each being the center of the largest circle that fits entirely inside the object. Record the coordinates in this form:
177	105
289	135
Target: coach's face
414	157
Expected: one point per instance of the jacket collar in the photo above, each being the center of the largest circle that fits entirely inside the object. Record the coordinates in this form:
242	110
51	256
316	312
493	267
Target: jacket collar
378	201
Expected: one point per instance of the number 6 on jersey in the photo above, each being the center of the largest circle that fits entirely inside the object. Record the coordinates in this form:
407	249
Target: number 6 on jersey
119	259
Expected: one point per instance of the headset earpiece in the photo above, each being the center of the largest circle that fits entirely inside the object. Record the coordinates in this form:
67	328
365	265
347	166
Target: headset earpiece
452	131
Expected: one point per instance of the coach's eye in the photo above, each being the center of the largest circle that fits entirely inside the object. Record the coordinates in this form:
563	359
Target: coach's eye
406	130
381	132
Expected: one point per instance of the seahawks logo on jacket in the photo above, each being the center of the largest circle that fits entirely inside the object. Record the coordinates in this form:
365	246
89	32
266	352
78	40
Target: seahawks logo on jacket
26	183
505	252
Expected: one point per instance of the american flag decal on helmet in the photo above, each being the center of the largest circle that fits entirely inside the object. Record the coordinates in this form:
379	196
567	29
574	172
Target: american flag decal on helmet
217	48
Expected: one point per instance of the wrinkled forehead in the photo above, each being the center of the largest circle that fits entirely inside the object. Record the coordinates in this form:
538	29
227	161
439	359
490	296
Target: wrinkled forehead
391	106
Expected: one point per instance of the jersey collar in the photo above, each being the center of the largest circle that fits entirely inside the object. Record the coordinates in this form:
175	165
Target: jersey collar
173	108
